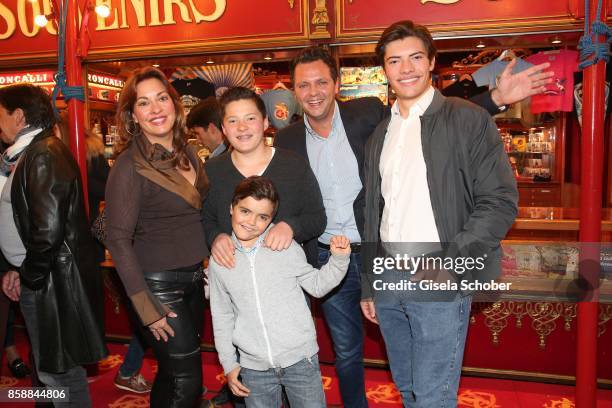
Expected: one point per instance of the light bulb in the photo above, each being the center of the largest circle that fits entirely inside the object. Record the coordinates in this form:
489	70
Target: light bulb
102	10
41	20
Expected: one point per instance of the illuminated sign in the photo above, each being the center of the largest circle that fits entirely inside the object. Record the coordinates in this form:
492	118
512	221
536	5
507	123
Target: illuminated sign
100	86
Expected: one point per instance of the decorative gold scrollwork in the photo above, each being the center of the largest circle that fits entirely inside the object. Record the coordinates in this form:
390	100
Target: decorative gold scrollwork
470	398
130	401
486	56
327	382
291	3
476	309
110	362
569	313
561	403
320	19
605	314
519	311
543	316
496	319
384	394
8	382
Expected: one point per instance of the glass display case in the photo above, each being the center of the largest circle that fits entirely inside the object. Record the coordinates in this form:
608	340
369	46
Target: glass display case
531	152
536	155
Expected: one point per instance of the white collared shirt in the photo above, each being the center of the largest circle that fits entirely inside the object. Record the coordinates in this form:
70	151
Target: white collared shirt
408	214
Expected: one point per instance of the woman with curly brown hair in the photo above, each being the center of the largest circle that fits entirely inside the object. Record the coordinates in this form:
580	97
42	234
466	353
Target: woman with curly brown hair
153	197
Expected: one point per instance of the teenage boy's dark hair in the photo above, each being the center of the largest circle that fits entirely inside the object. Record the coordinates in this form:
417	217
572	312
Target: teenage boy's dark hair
237	94
313	54
33	101
257	187
205	113
401	30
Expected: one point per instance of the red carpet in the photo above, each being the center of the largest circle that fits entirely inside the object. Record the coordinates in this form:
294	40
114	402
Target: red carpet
474	392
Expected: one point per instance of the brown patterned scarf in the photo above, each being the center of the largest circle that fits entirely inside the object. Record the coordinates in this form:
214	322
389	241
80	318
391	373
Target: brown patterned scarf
157	164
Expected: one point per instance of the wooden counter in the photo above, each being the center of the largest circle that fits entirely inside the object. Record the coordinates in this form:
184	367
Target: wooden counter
556	219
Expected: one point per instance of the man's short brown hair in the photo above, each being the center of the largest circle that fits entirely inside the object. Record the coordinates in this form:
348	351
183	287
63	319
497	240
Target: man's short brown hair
313	54
401	30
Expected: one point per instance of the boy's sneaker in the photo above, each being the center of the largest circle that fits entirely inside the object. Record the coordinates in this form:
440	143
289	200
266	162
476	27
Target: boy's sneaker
135	383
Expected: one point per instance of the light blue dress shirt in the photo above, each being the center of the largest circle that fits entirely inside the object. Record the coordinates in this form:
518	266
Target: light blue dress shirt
335	167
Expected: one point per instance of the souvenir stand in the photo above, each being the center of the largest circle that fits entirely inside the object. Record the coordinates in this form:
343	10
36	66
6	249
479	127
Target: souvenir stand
529	334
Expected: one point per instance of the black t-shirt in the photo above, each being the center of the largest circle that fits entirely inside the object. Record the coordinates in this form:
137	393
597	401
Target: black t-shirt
193	91
465	89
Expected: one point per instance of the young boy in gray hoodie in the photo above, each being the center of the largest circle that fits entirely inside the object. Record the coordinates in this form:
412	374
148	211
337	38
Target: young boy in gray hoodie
263	328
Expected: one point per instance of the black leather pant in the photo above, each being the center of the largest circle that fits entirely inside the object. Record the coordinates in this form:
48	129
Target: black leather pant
178	383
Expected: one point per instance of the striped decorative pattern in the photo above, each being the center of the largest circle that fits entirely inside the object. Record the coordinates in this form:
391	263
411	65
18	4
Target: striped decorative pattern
221	76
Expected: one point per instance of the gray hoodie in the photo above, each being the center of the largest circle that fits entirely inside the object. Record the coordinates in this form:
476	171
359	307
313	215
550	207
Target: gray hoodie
259	308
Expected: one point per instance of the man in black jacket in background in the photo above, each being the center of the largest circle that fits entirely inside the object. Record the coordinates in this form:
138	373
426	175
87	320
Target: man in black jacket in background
332	137
45	235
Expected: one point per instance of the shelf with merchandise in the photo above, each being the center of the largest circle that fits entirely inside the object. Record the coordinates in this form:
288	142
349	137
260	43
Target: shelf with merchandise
536	154
531	151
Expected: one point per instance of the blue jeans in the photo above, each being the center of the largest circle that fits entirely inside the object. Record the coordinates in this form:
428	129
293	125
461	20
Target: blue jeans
302	382
343	317
133	358
425	343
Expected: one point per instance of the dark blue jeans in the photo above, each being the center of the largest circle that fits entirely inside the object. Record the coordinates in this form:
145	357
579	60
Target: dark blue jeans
343	316
425	341
133	358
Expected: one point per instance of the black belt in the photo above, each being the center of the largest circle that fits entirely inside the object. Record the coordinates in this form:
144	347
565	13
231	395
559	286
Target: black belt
355	247
192	273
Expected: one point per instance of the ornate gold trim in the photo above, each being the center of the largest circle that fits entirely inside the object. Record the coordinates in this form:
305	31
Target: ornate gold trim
496	319
25	59
477	308
605	314
506	27
226	43
196	47
490	26
320	20
487	56
544	315
519	311
569	313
